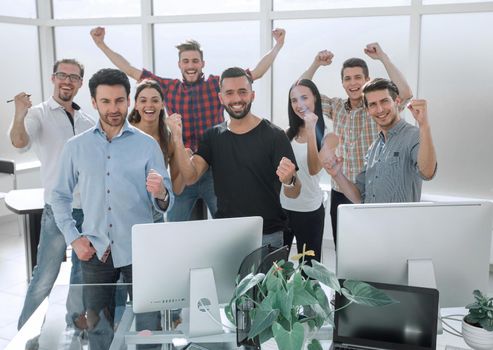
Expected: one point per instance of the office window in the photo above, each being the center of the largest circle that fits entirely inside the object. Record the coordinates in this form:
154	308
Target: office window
225	44
95	8
18	8
193	7
457	79
21	73
75	42
292	5
345	37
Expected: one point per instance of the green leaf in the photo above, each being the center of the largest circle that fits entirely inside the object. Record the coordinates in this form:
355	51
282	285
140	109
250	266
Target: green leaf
363	293
287	268
319	272
273	282
265	335
228	310
285	302
314	345
288	340
301	296
487	324
264	318
247	283
323	301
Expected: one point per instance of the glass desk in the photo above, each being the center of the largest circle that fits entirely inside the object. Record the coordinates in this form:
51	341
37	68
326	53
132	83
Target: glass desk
51	328
102	328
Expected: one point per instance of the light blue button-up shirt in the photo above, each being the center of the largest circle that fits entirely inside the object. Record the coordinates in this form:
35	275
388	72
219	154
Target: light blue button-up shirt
112	181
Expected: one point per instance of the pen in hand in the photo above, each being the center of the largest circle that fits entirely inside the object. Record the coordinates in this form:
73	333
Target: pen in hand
12	100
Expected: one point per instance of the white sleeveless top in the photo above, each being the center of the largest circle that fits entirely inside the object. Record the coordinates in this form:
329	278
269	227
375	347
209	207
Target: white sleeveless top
311	195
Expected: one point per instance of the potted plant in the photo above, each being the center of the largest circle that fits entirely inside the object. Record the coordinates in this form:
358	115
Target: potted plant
477	325
289	304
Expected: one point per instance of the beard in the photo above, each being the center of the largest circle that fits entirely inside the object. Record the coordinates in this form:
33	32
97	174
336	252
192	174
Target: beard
66	97
238	115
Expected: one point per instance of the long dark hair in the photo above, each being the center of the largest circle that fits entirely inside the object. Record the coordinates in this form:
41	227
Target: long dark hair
134	116
296	122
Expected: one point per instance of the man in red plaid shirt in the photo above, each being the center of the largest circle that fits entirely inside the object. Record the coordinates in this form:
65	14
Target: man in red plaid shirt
196	99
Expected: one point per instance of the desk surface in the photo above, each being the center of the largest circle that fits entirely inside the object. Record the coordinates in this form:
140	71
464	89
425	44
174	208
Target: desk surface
29	201
49	321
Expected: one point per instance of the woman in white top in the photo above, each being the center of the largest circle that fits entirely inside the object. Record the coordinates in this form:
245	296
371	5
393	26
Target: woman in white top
148	116
306	130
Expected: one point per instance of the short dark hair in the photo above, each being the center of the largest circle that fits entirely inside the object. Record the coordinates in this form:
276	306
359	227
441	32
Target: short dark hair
235	72
355	62
108	76
190	45
69	61
378	84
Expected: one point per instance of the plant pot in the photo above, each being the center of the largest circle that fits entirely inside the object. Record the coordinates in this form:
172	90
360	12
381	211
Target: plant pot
476	337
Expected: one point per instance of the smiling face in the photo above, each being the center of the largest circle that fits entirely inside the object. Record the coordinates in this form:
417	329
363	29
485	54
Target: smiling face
149	104
237	96
302	100
382	108
191	65
65	89
353	79
112	104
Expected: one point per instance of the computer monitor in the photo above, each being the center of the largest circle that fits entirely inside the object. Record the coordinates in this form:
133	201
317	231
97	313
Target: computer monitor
375	242
165	253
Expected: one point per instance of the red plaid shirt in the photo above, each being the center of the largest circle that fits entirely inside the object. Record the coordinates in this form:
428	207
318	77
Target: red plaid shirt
198	104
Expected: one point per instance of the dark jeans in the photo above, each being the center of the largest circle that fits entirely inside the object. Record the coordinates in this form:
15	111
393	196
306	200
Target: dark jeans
308	228
336	198
99	299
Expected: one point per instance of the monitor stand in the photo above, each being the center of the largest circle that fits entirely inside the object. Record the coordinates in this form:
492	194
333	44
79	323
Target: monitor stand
204	304
421	273
202	329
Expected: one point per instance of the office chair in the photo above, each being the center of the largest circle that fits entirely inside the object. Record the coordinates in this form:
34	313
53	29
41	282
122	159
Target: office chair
8	167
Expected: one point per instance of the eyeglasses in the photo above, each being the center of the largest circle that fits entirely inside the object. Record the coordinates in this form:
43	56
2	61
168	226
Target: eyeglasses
74	78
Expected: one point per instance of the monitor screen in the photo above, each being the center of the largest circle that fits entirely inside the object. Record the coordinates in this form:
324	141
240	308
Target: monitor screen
408	324
164	254
375	242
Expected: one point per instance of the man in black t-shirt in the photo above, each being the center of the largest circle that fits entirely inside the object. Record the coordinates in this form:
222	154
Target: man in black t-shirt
249	156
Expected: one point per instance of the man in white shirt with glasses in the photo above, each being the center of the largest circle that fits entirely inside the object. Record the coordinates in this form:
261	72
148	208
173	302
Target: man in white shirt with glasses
46	127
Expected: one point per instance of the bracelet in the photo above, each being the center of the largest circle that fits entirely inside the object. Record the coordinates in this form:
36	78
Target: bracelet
292	183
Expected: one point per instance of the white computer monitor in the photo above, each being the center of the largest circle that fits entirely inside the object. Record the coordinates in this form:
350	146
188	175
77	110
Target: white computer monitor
164	254
375	242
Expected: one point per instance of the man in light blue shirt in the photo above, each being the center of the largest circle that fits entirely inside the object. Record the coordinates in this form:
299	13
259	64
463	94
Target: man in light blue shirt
121	175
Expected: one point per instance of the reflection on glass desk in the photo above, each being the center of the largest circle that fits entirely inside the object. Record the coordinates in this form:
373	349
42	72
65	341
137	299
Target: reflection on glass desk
110	324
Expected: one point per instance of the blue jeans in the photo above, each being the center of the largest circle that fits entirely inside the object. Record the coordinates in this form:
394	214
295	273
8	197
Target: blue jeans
51	253
184	202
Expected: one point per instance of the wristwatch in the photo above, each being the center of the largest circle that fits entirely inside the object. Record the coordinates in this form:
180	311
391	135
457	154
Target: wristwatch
164	201
292	183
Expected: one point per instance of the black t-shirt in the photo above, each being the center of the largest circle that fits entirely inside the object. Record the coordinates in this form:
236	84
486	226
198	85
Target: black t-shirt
244	171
